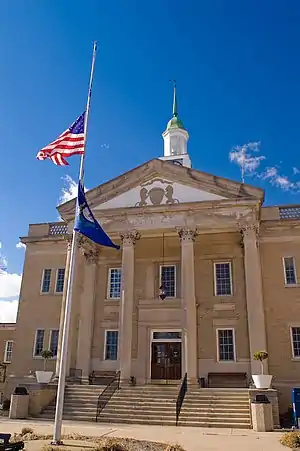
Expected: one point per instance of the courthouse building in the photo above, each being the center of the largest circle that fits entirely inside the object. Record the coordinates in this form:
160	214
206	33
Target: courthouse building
205	277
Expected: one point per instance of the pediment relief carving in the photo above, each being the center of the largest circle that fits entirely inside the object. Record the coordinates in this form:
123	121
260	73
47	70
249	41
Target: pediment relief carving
162	183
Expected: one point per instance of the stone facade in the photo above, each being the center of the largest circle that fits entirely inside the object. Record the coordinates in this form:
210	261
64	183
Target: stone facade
228	296
7	332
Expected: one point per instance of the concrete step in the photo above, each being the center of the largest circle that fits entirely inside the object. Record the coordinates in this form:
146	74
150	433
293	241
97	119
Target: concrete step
213	424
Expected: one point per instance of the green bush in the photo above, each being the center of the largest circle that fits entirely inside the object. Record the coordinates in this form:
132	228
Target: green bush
291	439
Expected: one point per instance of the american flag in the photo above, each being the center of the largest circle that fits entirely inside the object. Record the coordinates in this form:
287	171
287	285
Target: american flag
70	142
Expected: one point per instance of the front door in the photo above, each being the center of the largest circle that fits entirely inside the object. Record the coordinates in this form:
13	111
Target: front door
166	361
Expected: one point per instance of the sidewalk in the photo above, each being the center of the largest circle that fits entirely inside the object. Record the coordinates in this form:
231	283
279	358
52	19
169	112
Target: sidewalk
192	439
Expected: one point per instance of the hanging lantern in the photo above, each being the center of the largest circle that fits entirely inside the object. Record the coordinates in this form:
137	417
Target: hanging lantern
162	293
162	290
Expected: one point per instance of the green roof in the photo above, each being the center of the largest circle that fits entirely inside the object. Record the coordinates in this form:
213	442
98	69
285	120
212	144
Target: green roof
175	122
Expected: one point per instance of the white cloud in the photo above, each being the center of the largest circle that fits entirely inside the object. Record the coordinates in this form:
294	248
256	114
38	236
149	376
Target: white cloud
281	181
8	311
20	245
10	285
69	191
243	156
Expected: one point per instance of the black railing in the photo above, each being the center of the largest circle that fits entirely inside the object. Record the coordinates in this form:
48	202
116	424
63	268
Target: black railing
107	393
181	396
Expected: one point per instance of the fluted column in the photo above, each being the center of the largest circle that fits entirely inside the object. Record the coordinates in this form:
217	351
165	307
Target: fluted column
254	294
126	308
86	319
188	303
63	307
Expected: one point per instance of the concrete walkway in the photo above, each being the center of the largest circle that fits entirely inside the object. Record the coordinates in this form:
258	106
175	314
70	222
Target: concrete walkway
192	439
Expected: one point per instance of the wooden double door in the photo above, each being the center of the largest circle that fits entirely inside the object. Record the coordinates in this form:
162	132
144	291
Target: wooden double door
166	361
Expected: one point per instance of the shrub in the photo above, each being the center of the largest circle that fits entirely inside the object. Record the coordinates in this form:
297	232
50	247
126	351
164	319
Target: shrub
25	431
52	448
46	354
261	355
291	439
112	444
175	447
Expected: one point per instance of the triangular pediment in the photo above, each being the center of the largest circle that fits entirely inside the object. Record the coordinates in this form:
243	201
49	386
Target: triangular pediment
163	183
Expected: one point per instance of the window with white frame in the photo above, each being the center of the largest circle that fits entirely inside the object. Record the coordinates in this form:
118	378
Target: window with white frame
226	345
8	351
60	278
39	342
295	337
114	283
289	271
168	280
111	344
53	345
46	281
223	279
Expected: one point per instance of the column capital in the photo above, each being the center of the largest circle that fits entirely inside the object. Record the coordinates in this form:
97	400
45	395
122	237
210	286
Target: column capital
187	235
88	250
249	229
130	238
68	240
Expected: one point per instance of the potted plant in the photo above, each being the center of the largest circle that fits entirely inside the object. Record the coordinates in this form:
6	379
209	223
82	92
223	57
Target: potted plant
261	380
44	377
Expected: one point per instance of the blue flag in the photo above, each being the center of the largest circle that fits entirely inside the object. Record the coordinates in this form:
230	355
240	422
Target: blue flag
87	224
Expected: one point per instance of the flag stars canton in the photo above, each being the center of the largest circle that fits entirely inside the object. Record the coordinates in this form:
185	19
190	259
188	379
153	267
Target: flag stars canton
78	126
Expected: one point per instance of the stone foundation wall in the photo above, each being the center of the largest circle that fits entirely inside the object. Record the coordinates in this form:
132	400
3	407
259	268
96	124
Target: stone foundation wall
40	396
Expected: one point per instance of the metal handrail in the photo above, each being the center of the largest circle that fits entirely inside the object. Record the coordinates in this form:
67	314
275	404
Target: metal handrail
181	396
107	393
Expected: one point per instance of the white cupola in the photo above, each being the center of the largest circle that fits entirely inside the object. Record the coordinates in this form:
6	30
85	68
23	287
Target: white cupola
175	139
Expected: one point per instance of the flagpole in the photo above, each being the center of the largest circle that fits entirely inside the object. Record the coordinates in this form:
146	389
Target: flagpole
67	318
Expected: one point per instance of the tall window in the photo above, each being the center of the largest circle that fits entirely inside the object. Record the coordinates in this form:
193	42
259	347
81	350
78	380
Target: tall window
226	345
289	271
39	342
114	283
8	351
223	282
111	344
295	336
168	280
53	341
60	277
46	281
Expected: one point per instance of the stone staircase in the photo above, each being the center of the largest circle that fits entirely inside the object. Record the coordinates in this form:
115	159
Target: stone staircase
156	404
80	403
148	404
213	407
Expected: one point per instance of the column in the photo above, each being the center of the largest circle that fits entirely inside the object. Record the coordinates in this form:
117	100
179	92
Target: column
86	319
188	302
254	294
126	308
63	307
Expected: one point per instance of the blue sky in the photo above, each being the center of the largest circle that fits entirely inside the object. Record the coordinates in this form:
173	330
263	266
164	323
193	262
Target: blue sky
237	66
